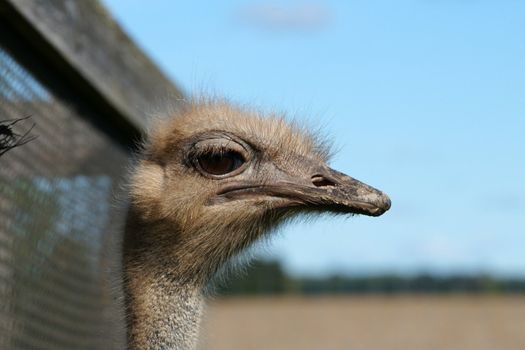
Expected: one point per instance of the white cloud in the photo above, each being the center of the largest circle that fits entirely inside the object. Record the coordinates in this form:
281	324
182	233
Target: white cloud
304	16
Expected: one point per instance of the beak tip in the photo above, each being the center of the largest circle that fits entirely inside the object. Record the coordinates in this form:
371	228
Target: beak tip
379	205
383	205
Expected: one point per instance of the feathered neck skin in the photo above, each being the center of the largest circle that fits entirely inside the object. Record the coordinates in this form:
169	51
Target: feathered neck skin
163	306
162	312
164	282
209	183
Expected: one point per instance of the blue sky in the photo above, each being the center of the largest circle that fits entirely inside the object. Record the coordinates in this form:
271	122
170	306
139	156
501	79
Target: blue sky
425	99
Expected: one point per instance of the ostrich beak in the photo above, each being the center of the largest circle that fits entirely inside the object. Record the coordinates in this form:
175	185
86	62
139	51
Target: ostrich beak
324	189
334	191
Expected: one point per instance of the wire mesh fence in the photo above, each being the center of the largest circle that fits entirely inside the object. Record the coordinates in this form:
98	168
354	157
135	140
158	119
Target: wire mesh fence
56	213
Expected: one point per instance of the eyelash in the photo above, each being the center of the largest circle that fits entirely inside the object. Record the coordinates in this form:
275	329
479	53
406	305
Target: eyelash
215	150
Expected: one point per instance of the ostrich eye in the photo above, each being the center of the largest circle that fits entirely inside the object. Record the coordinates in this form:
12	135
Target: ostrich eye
220	163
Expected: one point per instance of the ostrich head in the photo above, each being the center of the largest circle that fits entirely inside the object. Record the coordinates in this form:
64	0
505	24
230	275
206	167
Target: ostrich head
216	178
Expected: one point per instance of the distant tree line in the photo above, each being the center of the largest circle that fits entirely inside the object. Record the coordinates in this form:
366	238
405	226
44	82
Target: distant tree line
269	278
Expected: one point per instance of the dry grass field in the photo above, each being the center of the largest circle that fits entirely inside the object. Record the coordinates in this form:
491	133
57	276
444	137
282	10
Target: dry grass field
366	323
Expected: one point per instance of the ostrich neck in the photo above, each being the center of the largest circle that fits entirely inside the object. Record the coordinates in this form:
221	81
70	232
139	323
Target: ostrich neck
163	309
162	314
165	272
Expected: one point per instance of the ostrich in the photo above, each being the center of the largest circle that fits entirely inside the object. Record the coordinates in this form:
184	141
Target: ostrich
210	181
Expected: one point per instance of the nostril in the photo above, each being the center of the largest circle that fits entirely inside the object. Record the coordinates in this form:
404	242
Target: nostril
321	181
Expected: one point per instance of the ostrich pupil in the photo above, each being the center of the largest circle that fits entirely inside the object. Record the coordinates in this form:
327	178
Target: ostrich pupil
220	163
